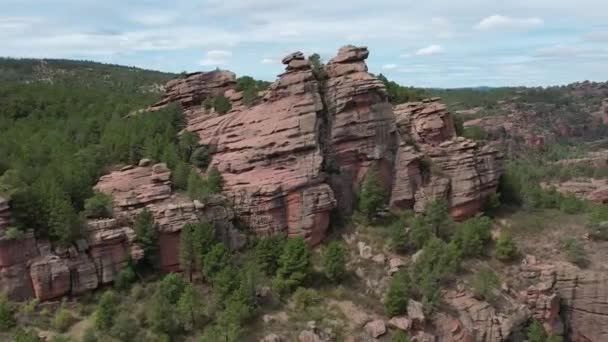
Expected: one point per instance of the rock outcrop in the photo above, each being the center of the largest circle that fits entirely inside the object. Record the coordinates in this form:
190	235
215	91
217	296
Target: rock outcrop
270	156
306	145
480	321
194	88
583	295
441	165
595	190
30	268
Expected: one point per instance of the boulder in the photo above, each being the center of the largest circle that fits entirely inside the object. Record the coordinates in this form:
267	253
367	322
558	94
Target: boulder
271	338
375	328
50	277
400	322
415	313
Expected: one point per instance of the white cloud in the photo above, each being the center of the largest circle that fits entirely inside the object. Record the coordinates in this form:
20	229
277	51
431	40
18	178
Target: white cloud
430	50
597	36
154	19
501	22
557	51
389	66
269	61
216	57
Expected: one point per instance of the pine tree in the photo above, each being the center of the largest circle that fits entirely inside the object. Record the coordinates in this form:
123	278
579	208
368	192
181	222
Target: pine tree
294	265
268	251
106	311
334	263
146	235
397	296
180	175
372	195
214	180
190	307
203	239
215	260
186	249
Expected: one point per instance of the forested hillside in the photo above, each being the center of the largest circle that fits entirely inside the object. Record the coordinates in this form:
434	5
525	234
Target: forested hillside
62	123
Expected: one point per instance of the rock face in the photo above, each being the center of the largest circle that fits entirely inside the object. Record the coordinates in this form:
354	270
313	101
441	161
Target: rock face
583	294
482	322
30	268
149	187
195	88
306	146
449	167
595	190
4	213
270	156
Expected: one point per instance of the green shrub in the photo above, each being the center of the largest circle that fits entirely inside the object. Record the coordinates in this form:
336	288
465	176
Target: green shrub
536	332
89	336
14	233
597	222
400	240
474	133
201	157
303	298
215	260
472	235
125	278
294	265
125	328
26	335
400	336
334	261
180	175
221	104
98	206
372	195
267	252
7	320
106	311
397	296
505	248
485	283
62	320
575	253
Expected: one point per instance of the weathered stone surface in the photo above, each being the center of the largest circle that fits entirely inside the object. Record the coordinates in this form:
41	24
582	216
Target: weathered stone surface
595	190
4	212
83	274
363	132
454	168
270	157
14	258
50	277
485	323
195	88
375	328
450	329
415	313
583	294
400	322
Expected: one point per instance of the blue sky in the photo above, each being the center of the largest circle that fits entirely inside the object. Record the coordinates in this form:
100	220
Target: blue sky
422	43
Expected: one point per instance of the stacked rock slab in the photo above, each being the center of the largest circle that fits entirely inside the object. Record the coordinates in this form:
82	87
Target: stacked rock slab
446	167
4	213
135	188
583	295
481	321
270	157
192	90
362	124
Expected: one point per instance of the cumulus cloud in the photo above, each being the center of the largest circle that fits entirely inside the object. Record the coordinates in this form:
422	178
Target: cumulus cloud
430	50
389	66
269	61
597	36
216	57
503	22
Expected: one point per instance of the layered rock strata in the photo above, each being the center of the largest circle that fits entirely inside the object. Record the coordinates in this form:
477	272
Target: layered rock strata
31	268
441	165
313	137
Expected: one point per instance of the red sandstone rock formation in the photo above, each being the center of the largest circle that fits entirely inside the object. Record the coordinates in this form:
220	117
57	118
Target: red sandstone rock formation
192	90
481	321
362	132
14	257
274	156
454	168
583	294
270	157
595	190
